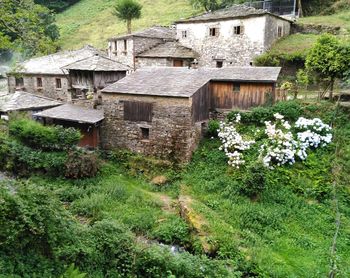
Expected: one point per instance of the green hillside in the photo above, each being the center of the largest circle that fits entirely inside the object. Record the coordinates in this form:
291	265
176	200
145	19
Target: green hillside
92	22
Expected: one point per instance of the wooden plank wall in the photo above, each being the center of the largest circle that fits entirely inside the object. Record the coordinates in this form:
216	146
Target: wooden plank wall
137	111
102	79
223	95
201	104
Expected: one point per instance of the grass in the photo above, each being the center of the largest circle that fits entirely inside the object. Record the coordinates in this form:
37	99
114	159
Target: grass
300	43
286	232
92	22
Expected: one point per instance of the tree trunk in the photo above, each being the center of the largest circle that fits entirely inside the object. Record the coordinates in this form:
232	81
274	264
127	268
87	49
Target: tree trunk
331	89
300	9
128	24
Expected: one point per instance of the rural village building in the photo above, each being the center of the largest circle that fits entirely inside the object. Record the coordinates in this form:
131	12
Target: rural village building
229	37
86	120
24	102
163	111
47	76
92	74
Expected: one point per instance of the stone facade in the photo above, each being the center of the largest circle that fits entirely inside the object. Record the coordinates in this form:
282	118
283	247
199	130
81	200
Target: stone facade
48	88
172	132
226	48
125	49
160	62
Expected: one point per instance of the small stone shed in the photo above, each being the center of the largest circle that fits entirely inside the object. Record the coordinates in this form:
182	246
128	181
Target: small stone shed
92	74
86	120
24	102
164	111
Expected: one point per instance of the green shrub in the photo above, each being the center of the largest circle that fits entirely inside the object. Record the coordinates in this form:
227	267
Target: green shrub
173	230
81	164
254	180
291	110
35	135
213	126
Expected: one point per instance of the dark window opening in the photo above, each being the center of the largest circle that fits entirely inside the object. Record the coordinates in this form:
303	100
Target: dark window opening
137	111
115	47
279	31
236	87
144	133
214	32
125	46
184	34
39	82
19	82
58	83
251	63
238	30
219	64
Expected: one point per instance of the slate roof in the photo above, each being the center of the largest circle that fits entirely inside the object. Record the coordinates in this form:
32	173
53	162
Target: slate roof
184	82
73	113
235	11
97	63
169	50
20	101
159	32
53	64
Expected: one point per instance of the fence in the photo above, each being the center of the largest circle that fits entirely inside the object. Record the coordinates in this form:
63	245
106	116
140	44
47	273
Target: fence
280	7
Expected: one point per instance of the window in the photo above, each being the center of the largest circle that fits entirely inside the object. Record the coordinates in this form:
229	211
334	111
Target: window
279	31
219	64
238	30
58	83
144	133
39	82
184	34
213	32
236	87
125	46
19	82
115	46
137	111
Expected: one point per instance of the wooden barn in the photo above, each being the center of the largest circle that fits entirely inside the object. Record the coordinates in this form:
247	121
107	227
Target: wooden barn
88	121
92	74
163	111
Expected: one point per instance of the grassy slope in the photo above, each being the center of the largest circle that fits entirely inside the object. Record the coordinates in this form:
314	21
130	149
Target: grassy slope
286	233
302	42
92	22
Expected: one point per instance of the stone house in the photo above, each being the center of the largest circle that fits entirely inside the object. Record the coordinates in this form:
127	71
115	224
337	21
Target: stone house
92	74
124	49
163	111
45	75
231	36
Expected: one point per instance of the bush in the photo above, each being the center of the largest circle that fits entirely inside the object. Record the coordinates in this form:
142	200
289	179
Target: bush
173	230
254	180
291	110
213	127
49	138
81	164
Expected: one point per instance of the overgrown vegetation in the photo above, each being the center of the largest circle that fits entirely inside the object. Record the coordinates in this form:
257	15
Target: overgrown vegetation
208	220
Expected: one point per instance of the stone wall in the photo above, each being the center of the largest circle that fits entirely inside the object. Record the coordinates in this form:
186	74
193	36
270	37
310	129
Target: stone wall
159	62
48	86
232	49
172	133
135	45
315	29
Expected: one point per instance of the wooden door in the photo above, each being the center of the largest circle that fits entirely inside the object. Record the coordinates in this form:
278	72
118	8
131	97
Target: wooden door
178	63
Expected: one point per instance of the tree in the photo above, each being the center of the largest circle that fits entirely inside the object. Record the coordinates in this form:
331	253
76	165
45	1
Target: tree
207	5
127	10
27	27
328	60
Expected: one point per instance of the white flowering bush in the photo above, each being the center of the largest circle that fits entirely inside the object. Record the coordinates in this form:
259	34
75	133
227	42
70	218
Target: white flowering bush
280	147
313	133
233	143
281	143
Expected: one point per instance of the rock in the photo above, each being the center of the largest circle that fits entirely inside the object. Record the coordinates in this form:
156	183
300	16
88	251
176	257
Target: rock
159	180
